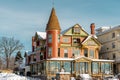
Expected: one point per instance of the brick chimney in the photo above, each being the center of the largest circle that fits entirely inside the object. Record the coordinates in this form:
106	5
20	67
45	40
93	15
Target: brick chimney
33	45
92	26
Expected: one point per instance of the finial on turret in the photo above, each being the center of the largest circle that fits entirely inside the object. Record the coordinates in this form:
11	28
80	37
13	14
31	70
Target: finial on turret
53	3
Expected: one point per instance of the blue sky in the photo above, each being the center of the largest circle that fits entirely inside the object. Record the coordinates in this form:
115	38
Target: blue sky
22	18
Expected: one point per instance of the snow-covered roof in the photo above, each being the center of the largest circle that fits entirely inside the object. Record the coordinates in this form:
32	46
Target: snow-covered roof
70	59
63	73
41	35
103	60
103	28
67	59
110	29
86	39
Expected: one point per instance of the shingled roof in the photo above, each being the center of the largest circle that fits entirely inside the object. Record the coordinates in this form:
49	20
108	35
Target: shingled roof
53	23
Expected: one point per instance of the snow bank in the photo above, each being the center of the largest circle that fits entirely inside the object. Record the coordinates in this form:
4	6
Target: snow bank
12	76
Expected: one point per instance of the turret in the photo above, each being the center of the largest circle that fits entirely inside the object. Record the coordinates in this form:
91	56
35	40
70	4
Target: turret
53	35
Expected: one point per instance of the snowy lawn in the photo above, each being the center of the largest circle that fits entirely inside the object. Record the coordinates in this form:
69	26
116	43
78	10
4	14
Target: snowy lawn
12	76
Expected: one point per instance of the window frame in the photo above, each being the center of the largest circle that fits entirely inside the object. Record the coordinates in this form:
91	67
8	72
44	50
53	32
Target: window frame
91	51
49	38
113	44
76	30
85	52
66	53
49	51
113	35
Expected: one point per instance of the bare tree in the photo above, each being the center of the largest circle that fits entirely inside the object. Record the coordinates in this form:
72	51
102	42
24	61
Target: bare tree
11	62
8	46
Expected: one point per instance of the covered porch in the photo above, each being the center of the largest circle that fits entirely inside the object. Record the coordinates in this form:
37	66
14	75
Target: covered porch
95	67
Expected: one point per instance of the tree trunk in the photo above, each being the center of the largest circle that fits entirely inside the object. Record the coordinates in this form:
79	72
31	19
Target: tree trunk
7	63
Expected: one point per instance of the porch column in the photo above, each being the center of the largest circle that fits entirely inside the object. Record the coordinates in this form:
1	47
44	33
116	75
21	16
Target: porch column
89	67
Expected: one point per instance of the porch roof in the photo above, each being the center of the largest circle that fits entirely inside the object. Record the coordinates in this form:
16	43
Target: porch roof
103	60
91	59
81	57
66	59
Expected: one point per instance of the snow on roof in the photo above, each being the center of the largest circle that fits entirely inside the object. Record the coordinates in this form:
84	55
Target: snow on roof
86	39
63	73
111	29
90	36
41	35
104	28
103	60
69	59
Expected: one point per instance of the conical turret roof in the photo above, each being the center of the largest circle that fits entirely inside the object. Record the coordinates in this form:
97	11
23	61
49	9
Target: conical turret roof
53	23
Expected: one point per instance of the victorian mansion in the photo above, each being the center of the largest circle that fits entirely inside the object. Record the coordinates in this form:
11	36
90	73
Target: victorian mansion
72	49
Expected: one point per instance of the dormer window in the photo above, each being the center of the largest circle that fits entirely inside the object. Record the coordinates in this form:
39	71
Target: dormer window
76	30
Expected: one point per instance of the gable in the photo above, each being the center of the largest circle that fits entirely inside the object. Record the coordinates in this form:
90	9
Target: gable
75	30
91	42
83	59
40	35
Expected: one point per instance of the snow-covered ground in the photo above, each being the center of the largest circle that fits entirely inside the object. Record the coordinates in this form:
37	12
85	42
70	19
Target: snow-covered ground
12	76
